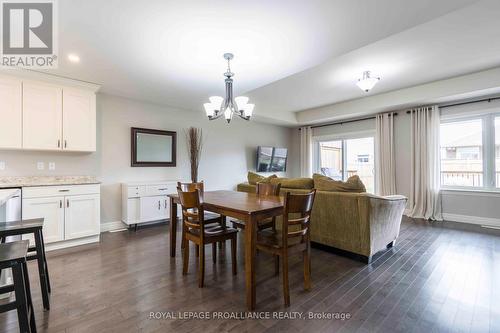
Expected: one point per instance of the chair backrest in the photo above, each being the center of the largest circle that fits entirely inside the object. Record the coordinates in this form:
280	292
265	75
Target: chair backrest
192	210
189	187
297	204
268	189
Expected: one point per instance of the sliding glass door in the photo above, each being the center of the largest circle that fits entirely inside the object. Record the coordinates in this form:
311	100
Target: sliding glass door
345	157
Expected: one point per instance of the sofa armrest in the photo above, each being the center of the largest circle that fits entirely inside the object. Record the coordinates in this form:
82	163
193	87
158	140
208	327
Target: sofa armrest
381	220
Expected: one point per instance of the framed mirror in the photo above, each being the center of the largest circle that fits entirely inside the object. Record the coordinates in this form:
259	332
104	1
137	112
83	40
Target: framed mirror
153	148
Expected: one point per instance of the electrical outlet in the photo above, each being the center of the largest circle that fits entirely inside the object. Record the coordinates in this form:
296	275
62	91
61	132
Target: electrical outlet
52	165
40	165
2	165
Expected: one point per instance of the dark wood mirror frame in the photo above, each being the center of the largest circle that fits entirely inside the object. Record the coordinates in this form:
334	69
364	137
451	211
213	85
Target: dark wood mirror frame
135	163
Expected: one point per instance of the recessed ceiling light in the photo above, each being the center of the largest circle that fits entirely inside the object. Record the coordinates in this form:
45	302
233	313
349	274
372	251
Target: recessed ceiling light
73	58
367	82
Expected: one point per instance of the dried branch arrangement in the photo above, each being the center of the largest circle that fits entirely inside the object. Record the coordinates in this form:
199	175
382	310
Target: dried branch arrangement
194	139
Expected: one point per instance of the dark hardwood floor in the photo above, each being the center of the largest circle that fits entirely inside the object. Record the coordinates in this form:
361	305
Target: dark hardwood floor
436	279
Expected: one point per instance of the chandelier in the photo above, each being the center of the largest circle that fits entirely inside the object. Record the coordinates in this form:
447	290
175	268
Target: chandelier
228	106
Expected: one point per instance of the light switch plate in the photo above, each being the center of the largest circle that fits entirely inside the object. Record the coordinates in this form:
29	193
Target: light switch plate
52	165
2	165
40	165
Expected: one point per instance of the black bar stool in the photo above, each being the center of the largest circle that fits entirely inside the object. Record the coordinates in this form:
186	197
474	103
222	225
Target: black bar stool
13	255
37	252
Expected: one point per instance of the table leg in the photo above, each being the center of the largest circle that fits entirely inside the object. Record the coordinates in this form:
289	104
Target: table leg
41	269
250	238
173	226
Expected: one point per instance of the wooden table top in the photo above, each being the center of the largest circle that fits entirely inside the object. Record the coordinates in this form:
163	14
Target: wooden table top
242	202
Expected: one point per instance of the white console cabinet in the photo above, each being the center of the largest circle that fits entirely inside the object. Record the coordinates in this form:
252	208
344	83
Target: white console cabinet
71	213
146	201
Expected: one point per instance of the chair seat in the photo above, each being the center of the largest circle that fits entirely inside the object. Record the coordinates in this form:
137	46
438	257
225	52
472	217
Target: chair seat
210	217
274	240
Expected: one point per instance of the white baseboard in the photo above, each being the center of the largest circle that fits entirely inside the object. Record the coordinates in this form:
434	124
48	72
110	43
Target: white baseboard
114	225
483	221
71	243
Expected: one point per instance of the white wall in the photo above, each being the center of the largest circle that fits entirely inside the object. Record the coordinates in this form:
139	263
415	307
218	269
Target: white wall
228	152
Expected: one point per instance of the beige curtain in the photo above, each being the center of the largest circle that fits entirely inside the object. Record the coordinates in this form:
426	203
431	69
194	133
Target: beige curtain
305	151
385	161
425	201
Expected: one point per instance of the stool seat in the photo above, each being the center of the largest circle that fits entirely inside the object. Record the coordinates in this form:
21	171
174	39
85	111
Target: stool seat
36	252
13	256
14	251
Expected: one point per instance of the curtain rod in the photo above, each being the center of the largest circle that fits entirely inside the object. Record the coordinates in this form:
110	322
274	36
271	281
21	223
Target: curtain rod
340	122
465	103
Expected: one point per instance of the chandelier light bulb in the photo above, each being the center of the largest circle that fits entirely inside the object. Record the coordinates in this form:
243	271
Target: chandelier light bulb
248	110
209	109
216	102
241	101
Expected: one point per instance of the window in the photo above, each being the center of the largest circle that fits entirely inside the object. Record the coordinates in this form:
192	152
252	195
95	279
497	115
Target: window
343	158
497	151
470	152
461	147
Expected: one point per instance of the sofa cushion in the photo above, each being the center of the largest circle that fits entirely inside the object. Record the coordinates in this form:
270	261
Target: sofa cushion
254	178
298	183
324	183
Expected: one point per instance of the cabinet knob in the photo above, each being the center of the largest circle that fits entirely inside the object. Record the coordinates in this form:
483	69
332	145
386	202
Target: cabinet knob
59	143
67	202
60	203
65	144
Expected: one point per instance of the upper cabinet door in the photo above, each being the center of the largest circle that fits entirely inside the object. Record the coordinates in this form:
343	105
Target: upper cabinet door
10	113
42	116
79	120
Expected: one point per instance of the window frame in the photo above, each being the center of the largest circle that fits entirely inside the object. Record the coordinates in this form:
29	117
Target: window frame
488	151
343	137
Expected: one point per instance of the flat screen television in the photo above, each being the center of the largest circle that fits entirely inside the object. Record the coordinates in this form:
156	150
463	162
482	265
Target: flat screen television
271	159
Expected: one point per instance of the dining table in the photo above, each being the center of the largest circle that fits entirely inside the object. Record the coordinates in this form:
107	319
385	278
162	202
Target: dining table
247	207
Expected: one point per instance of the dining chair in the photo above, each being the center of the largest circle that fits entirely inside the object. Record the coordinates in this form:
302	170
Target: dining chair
294	238
262	189
196	231
210	218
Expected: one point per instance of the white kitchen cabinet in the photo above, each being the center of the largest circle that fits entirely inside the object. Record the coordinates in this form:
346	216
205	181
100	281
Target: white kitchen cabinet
79	120
47	115
52	210
71	213
11	117
42	116
81	216
146	201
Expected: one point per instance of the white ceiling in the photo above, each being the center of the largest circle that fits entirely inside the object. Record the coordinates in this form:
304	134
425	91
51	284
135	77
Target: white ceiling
289	55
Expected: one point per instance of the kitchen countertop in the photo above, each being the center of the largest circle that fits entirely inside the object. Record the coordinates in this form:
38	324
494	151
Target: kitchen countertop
5	195
6	182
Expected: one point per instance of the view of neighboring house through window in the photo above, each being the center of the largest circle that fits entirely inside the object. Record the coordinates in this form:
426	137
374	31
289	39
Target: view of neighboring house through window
355	156
470	152
461	153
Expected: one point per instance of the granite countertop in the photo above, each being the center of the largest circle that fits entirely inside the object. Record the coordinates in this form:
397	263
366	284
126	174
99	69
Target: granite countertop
5	195
6	182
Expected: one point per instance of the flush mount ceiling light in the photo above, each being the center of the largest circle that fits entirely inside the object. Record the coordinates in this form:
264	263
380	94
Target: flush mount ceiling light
228	106
73	57
367	82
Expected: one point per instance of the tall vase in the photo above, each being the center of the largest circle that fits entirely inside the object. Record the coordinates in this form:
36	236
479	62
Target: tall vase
194	139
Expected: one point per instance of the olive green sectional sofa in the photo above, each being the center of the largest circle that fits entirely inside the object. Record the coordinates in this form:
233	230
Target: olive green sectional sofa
355	224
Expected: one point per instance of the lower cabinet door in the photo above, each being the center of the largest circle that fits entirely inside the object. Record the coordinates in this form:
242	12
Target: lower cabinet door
82	216
52	210
151	208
